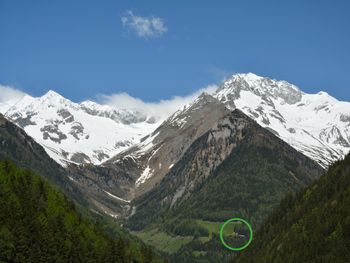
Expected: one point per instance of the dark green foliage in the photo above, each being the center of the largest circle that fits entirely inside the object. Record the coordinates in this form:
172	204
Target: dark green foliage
185	228
312	226
39	224
213	252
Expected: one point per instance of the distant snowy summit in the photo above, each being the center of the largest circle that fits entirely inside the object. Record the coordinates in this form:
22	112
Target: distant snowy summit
85	132
317	125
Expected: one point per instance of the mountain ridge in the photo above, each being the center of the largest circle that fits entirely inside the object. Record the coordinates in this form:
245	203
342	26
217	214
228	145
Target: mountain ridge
83	132
209	151
317	125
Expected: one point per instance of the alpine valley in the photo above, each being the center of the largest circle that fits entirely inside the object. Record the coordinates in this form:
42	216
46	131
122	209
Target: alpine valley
171	181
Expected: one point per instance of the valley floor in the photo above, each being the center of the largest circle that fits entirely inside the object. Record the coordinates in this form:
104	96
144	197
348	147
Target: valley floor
197	244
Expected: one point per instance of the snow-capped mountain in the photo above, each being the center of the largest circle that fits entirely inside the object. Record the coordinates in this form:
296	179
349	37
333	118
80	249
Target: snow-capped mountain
317	125
134	151
78	132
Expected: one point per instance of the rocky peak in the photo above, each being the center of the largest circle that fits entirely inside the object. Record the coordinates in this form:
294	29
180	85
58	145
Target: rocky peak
53	99
261	86
159	151
202	102
205	97
52	94
303	120
67	129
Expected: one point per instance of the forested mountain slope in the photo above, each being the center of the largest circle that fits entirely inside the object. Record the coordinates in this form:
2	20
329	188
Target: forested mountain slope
39	224
312	226
20	148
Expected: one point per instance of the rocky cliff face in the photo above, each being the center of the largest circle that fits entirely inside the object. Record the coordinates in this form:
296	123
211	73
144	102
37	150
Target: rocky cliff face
158	152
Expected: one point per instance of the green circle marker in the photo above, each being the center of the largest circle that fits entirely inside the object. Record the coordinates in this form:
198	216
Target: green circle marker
250	234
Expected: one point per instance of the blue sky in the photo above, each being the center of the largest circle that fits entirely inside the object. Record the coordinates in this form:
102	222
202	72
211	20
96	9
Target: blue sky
84	48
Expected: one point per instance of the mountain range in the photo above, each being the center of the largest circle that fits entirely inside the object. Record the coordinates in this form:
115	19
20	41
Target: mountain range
116	155
171	181
87	132
78	132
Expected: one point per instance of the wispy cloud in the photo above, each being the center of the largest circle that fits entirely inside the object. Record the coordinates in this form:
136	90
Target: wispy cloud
161	109
9	94
145	27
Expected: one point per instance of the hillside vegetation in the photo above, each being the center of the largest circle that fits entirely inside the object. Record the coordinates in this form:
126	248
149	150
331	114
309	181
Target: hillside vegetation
39	224
312	226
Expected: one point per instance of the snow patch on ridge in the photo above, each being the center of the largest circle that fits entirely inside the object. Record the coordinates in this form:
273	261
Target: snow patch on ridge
116	197
146	174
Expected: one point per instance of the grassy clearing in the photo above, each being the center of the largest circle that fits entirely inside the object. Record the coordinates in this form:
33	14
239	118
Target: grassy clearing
203	239
162	241
171	244
214	227
199	253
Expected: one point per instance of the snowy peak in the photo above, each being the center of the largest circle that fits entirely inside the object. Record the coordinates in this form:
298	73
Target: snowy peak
52	95
311	123
260	86
53	99
78	132
49	100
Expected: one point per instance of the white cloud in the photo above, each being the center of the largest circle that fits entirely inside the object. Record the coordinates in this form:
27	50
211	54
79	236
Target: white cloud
9	94
161	109
146	27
